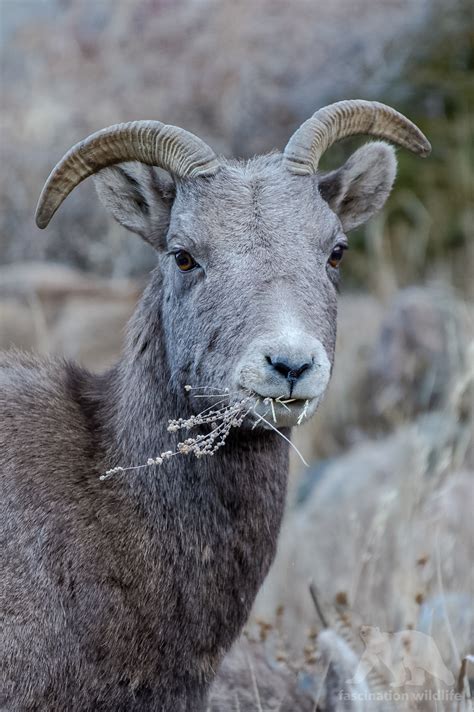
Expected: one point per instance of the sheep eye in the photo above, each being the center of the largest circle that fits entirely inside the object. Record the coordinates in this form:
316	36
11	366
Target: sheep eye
185	261
336	256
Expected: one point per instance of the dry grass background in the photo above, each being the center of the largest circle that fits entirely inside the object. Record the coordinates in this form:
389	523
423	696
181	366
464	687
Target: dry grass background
382	521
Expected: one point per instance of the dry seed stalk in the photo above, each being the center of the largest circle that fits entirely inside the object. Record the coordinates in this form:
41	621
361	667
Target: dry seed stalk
222	420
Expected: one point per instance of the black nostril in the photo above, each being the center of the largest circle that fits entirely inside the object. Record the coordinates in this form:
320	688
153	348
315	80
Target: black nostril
282	368
290	371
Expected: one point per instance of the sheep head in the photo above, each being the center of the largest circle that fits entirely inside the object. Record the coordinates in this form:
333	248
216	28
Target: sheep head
249	251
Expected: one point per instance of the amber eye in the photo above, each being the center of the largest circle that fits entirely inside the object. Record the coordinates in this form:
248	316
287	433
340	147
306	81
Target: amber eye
184	261
336	256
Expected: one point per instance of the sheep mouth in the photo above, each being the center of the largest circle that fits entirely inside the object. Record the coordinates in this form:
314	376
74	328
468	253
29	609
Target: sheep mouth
282	411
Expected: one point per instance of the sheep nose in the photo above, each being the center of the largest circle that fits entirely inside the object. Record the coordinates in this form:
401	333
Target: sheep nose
290	370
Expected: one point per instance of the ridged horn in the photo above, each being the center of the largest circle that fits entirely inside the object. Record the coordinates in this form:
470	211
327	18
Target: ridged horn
169	147
348	118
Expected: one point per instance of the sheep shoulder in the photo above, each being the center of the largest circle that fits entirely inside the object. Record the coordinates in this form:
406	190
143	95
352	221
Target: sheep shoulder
48	425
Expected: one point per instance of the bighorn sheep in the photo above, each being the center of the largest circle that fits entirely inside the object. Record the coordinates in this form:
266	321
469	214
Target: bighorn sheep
125	594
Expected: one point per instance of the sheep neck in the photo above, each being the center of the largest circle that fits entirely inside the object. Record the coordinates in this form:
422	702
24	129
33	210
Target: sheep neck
211	523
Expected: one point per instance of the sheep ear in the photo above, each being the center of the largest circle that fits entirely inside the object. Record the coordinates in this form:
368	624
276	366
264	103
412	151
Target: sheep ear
139	197
361	186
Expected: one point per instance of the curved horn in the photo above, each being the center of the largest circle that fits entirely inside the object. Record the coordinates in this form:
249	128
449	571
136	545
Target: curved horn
169	147
348	118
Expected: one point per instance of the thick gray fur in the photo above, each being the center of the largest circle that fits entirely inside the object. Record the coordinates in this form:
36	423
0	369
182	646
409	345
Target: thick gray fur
126	594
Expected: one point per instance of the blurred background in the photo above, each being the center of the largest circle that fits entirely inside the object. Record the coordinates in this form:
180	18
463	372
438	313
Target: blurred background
380	521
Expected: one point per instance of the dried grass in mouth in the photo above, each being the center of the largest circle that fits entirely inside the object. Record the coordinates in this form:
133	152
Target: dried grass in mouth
230	414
